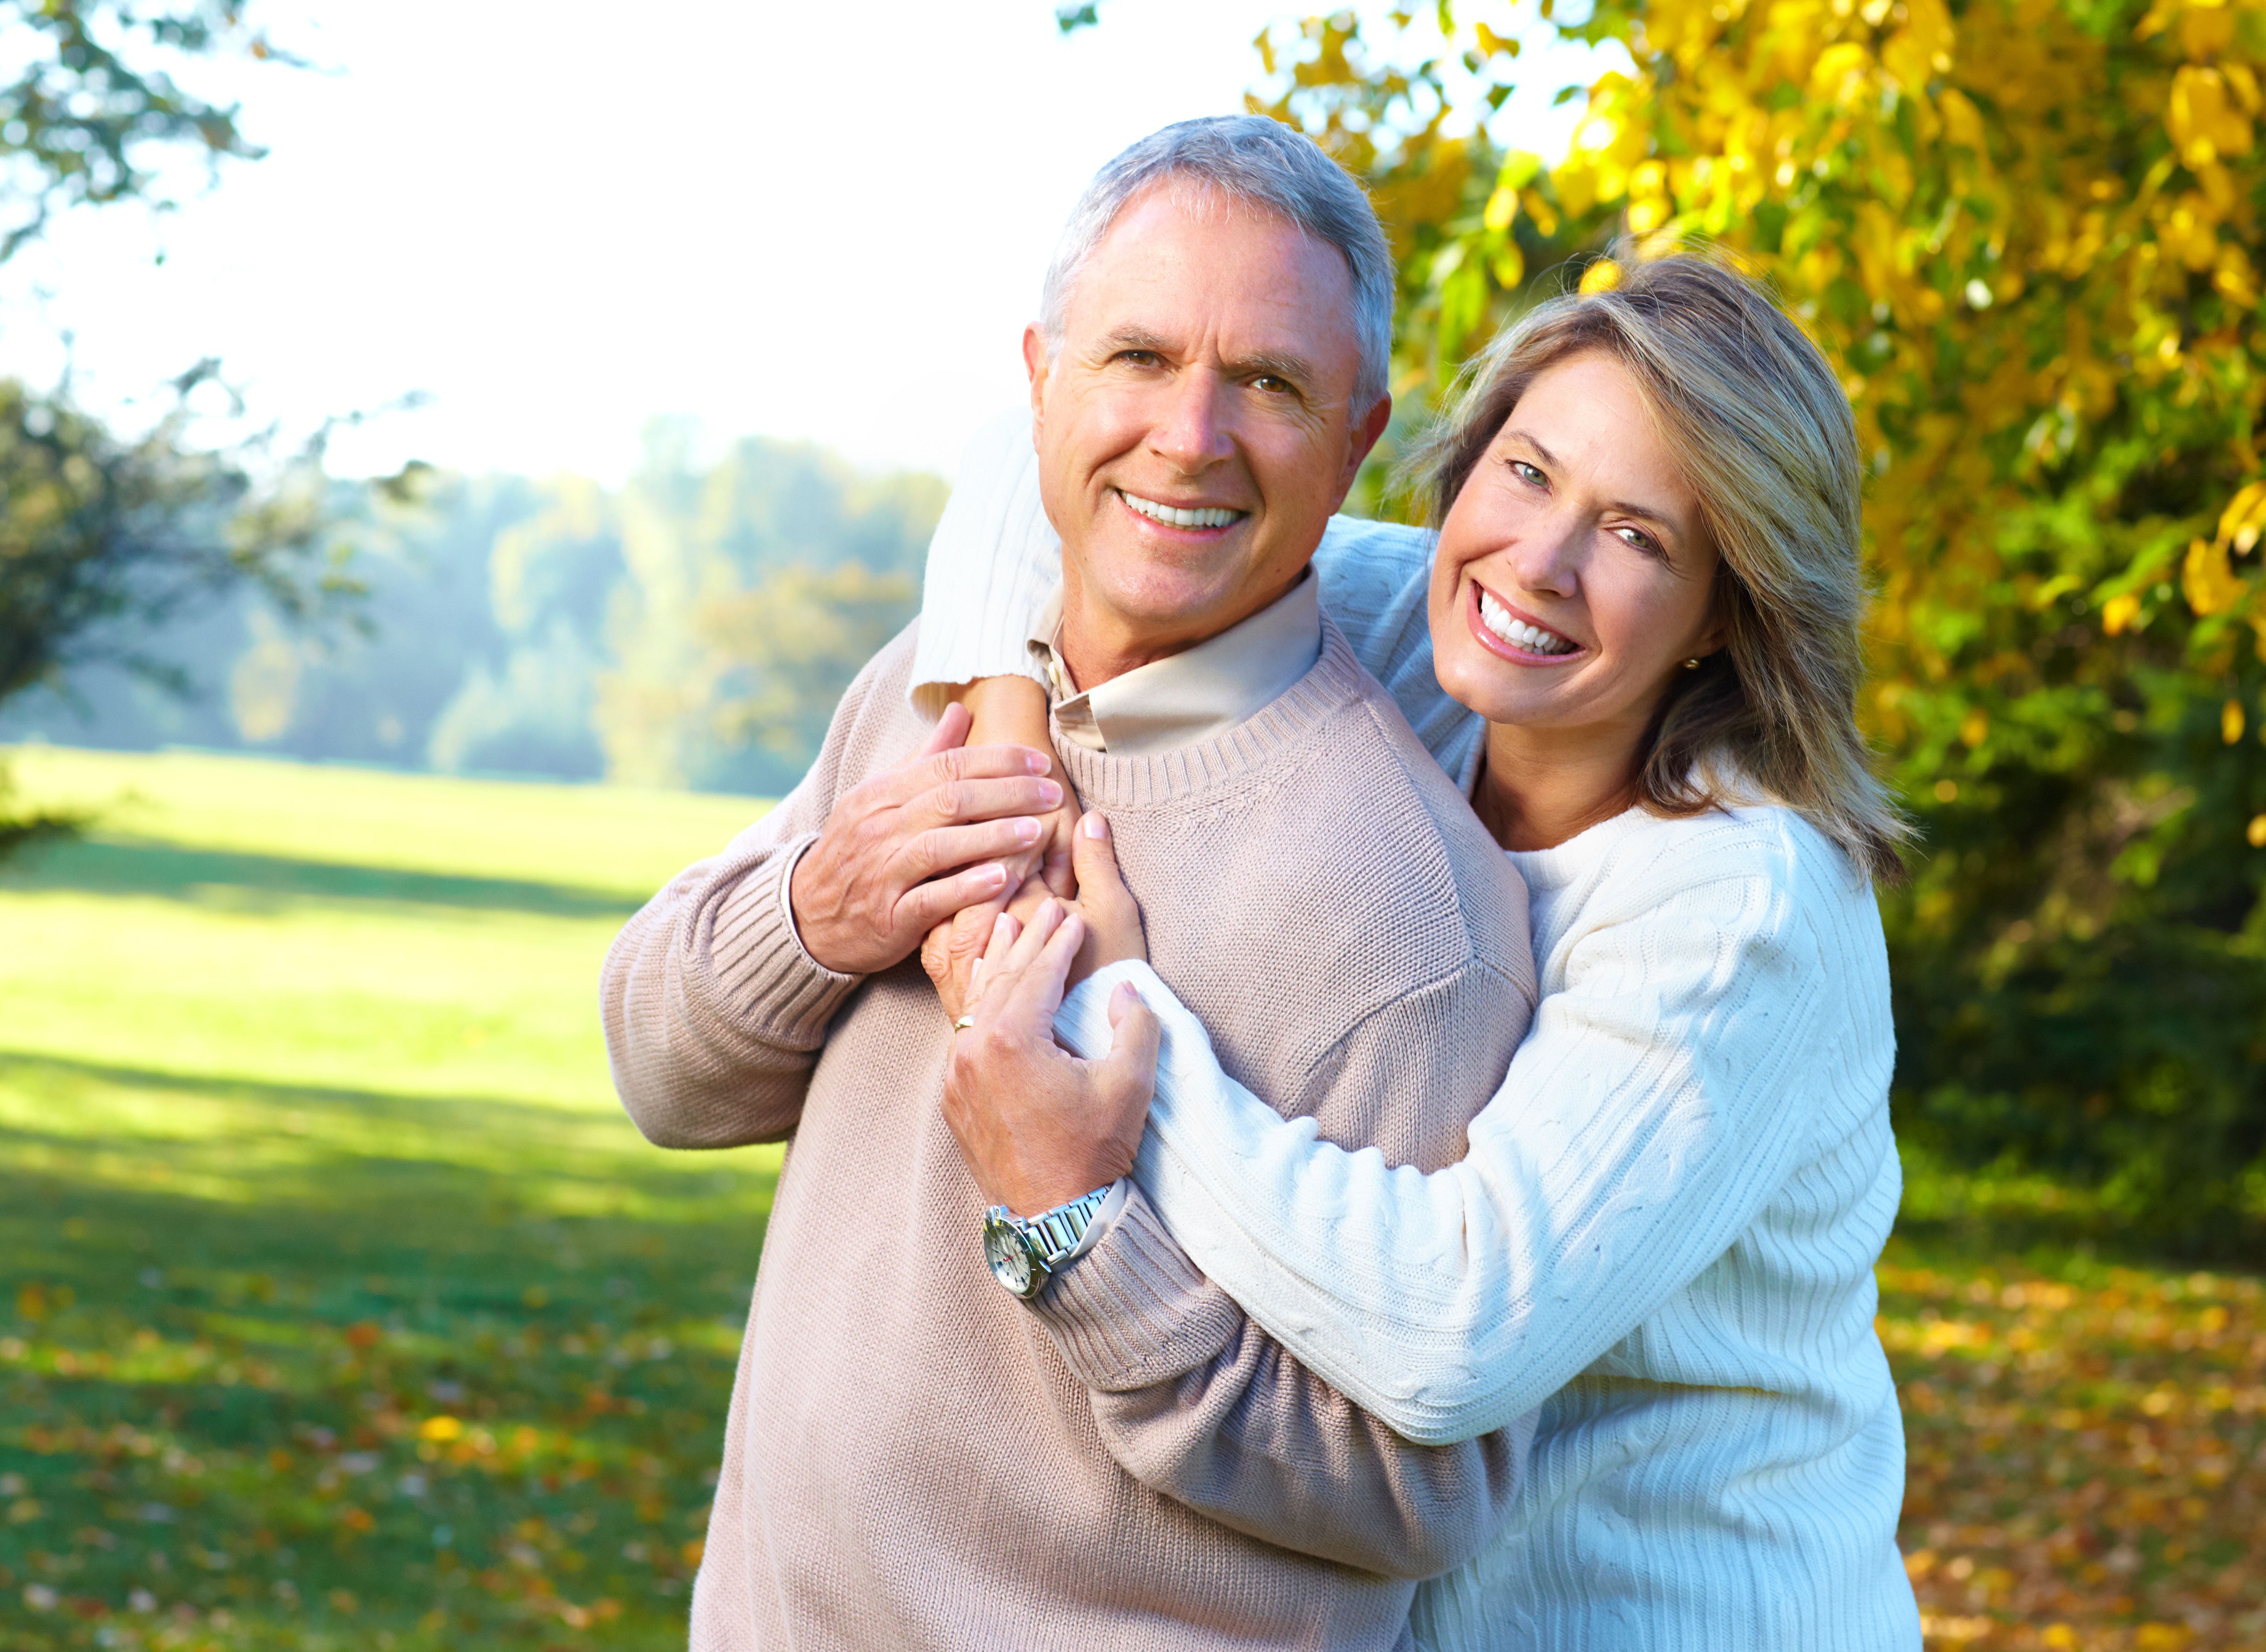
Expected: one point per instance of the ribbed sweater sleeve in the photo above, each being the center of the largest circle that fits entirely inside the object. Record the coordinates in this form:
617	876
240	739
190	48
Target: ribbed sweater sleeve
713	1012
994	561
1652	1111
1198	1402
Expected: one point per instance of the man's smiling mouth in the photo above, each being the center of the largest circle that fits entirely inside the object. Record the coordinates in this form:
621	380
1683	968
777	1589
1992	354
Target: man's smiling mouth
1517	632
1174	516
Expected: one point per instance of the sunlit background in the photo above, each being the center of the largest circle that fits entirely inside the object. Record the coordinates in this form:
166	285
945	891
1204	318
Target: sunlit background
571	393
559	223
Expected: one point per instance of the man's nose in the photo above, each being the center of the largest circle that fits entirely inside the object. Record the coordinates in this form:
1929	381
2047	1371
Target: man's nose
1191	430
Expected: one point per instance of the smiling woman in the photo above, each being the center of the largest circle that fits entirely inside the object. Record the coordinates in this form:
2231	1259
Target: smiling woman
1646	485
1644	596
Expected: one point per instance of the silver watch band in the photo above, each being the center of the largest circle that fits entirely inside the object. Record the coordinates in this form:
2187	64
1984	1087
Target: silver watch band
1055	1234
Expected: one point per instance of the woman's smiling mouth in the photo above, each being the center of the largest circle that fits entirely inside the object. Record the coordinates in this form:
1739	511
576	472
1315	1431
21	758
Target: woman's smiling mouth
1507	634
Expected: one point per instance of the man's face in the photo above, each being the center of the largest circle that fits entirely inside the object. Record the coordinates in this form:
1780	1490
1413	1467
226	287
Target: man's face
1195	426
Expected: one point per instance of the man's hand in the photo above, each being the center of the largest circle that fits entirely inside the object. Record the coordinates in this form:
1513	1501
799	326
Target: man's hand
898	854
1037	1126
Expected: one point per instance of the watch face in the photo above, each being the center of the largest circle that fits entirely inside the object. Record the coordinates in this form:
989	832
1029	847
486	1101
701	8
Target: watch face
1009	1256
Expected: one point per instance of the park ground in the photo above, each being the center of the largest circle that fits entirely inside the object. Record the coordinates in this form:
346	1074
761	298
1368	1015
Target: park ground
340	1307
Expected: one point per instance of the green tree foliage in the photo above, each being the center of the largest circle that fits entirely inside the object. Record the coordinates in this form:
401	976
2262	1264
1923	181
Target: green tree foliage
92	101
2023	231
105	539
692	627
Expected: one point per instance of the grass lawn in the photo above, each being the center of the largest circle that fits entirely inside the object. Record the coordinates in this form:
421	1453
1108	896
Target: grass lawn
340	1307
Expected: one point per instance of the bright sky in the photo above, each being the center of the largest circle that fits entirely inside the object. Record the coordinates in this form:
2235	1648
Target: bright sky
558	221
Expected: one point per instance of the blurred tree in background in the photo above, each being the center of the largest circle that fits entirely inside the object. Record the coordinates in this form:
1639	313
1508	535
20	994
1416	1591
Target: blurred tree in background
2023	232
758	589
104	538
91	104
694	627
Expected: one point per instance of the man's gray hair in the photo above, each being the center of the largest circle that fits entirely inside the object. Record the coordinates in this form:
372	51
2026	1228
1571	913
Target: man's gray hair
1251	159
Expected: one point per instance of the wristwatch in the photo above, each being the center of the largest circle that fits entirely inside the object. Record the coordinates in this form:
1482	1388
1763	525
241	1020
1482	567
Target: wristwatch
1023	1252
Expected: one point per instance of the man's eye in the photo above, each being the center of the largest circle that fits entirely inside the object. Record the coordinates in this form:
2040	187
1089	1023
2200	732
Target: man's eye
1273	384
1138	358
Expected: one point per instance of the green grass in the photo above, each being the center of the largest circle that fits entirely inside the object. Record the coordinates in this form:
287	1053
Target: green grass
342	1305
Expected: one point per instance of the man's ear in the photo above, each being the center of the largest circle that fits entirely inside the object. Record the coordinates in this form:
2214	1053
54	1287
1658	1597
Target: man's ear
1360	438
1035	364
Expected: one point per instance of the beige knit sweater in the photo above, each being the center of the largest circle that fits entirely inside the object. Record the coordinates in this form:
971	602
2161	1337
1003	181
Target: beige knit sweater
913	1457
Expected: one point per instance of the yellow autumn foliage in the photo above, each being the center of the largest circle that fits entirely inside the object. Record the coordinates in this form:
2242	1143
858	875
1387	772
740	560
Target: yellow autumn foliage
2025	233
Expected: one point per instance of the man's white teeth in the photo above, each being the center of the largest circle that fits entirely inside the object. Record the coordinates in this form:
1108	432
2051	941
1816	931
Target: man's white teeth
1174	516
1517	632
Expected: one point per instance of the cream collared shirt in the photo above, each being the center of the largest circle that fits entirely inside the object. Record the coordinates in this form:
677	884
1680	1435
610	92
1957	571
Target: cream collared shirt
1190	696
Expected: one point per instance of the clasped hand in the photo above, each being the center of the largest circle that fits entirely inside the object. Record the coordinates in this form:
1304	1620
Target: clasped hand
955	826
959	850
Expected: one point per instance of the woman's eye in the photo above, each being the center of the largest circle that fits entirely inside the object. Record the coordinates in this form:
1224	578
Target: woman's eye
1640	539
1528	474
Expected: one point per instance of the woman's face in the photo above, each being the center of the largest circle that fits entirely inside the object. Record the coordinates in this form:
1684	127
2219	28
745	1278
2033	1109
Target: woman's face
1574	576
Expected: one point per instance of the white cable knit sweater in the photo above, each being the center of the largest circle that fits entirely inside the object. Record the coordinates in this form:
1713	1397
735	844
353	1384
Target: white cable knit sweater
1664	1232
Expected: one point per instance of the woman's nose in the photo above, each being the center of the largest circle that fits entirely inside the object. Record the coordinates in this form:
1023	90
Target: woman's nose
1546	560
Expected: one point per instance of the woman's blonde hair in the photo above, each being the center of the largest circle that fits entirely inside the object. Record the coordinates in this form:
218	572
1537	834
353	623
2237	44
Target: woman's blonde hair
1762	431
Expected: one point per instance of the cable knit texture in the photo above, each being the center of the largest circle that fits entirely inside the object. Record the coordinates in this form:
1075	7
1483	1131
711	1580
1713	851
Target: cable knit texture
915	1459
1664	1232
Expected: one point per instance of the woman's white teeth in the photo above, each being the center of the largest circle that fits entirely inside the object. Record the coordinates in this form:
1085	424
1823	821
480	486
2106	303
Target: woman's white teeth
1174	516
1517	632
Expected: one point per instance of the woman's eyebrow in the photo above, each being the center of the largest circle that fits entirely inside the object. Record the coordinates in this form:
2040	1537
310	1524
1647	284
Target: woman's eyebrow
1627	508
1646	513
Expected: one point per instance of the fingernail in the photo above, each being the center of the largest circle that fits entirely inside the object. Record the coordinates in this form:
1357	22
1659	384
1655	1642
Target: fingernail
996	873
1049	795
1027	831
1039	761
1003	924
1095	826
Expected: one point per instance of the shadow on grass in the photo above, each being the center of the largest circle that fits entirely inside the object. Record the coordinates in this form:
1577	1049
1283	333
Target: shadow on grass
306	1367
110	866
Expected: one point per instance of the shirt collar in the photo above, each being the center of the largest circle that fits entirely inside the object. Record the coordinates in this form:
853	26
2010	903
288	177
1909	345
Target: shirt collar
1190	696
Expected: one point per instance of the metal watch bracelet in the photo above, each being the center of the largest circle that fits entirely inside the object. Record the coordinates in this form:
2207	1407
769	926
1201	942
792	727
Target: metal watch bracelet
1023	1253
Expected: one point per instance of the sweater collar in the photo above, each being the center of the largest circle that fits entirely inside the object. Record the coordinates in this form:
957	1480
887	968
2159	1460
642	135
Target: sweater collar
1190	696
1111	779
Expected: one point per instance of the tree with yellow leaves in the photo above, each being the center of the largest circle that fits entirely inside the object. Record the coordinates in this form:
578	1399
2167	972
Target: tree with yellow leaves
2026	233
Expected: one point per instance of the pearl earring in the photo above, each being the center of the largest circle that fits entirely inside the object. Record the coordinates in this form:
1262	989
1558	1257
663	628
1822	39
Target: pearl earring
1692	665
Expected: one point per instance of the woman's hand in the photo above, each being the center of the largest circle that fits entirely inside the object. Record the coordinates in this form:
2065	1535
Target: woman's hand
1111	916
1011	711
1038	1126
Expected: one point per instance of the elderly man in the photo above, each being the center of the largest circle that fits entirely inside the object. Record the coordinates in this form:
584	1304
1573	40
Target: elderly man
915	1455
